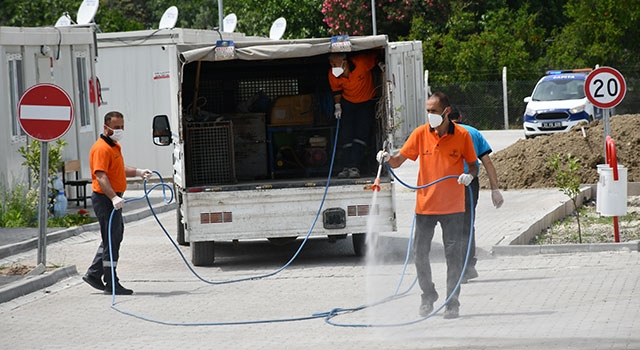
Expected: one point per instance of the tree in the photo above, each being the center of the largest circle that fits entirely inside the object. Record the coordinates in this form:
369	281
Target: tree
34	13
600	32
472	48
350	17
304	18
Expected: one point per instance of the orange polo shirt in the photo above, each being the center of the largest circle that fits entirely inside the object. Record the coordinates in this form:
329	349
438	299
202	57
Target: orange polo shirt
440	157
358	87
108	158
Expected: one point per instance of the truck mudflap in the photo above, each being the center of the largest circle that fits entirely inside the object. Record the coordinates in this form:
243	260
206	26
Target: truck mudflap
287	212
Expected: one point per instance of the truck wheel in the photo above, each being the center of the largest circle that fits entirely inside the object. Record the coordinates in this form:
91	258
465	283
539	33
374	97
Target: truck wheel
359	244
180	229
202	253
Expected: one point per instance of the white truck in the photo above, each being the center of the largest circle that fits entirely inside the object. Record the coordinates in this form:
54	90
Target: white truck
251	128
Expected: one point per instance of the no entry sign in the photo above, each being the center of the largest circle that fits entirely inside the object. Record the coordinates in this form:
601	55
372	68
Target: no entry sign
45	112
605	87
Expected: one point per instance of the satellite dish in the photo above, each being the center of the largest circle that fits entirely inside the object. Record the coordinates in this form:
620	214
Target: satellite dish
277	28
229	23
63	21
87	11
169	18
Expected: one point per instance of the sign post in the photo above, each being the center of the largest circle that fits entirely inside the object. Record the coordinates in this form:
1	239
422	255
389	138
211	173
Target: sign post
605	87
45	112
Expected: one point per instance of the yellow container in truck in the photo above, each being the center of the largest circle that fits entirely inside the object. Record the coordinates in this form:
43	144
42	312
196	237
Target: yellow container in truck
292	110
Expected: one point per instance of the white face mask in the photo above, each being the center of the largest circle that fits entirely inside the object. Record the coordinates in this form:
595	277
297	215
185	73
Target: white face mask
434	119
337	71
117	135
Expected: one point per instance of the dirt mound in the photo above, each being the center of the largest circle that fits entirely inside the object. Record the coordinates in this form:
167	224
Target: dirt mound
524	164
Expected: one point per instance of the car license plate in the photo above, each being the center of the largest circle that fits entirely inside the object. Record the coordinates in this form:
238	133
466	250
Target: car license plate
552	124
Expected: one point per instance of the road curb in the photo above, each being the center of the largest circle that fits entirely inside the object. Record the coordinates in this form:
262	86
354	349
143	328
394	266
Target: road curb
517	244
15	248
31	284
510	250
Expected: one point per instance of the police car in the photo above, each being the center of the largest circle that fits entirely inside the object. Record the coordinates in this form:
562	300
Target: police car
558	103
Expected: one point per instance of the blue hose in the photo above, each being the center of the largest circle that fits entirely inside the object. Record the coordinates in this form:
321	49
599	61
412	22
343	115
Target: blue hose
337	311
164	185
328	315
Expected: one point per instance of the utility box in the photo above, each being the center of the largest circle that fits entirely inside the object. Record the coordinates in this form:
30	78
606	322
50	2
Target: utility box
611	195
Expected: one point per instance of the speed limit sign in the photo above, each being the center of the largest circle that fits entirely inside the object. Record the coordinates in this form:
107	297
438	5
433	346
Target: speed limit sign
605	87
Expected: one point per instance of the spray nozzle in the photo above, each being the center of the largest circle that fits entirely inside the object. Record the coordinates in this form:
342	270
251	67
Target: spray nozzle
376	185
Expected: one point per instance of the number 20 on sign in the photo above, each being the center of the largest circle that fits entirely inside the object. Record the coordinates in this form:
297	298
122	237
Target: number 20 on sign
605	87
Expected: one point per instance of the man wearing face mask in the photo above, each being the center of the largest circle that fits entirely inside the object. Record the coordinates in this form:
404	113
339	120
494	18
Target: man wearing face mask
442	147
352	84
109	181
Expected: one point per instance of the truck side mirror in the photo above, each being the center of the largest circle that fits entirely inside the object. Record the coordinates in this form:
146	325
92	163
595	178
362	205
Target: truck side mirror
161	130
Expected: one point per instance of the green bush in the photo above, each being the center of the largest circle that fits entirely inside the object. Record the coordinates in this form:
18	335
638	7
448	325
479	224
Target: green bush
567	177
31	155
18	206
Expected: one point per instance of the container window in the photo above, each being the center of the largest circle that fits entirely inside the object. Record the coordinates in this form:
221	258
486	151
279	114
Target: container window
16	89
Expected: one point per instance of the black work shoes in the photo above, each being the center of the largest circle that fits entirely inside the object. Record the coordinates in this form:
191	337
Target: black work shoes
93	281
120	290
451	312
426	308
470	274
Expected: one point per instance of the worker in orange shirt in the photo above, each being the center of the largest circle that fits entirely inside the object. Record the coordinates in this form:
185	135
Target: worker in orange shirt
443	147
109	181
351	81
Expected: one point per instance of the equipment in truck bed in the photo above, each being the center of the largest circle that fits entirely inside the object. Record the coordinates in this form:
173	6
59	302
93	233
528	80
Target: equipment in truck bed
209	153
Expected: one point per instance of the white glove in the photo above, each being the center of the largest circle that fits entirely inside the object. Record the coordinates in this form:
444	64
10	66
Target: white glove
118	202
465	179
497	199
145	174
337	111
382	156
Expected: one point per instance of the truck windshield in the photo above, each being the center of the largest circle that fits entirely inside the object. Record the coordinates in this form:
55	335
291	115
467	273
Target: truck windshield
556	90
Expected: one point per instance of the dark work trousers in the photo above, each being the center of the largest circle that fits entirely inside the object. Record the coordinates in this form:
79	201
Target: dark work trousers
355	124
468	225
453	239
101	264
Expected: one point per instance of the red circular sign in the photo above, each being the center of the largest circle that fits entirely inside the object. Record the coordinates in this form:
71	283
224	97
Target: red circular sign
605	87
45	112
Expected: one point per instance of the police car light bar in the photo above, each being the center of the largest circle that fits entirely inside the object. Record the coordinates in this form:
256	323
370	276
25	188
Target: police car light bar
555	72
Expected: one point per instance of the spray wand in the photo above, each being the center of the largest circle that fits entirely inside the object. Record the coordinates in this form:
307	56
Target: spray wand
376	184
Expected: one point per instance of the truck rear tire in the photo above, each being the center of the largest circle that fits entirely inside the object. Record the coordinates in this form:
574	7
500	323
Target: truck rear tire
359	243
202	253
180	229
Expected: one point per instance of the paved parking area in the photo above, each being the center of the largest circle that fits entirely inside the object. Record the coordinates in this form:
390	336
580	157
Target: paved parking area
571	300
